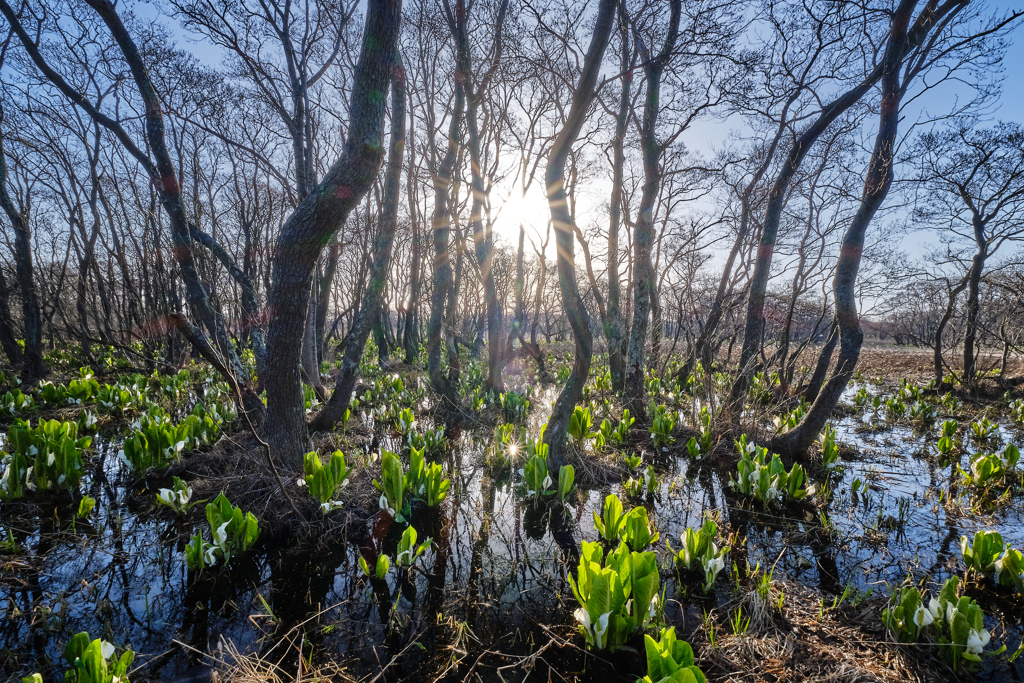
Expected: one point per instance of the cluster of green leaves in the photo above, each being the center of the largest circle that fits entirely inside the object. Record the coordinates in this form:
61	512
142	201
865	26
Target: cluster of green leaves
580	423
984	429
603	380
232	532
85	507
92	661
617	593
156	441
1015	409
504	447
50	394
562	373
698	448
945	444
176	386
432	441
632	528
895	407
79	391
791	419
988	556
957	624
829	449
670	660
130	393
324	481
860	399
392	392
761	387
310	400
16	402
618	435
425	481
178	497
922	411
663	422
700	553
646	485
392	486
406	422
46	457
991	469
406	555
536	479
767	481
606	434
514	406
84	388
652	383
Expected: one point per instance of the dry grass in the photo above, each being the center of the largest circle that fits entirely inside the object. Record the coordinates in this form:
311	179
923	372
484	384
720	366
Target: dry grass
806	642
237	465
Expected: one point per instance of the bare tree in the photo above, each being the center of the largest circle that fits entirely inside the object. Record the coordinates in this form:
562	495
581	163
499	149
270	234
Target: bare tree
971	187
561	218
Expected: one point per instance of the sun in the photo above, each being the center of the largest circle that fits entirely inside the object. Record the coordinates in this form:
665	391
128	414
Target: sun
512	208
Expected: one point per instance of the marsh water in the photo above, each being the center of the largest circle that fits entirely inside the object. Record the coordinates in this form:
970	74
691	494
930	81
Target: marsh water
492	590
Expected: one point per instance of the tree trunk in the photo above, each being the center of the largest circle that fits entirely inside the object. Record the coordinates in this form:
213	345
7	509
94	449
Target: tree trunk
411	336
644	280
613	317
799	440
484	243
930	16
314	223
323	299
702	347
954	292
442	278
656	325
380	337
32	368
823	364
572	303
310	357
8	339
974	306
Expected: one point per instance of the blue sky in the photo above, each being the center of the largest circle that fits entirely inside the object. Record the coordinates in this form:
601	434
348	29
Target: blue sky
706	135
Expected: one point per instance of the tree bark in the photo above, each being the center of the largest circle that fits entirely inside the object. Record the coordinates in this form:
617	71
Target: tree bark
32	367
324	287
613	317
823	364
954	292
8	339
778	194
974	304
411	335
383	246
442	278
644	280
797	442
314	223
572	303
484	243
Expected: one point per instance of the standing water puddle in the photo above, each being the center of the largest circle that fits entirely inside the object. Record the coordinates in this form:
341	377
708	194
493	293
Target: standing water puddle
494	582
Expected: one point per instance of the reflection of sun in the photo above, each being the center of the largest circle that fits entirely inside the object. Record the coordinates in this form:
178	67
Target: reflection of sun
512	208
